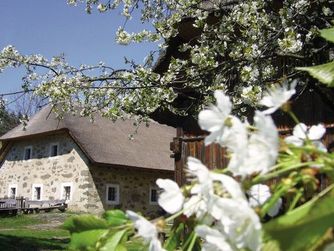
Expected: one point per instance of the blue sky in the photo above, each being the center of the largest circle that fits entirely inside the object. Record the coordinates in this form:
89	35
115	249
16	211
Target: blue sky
51	27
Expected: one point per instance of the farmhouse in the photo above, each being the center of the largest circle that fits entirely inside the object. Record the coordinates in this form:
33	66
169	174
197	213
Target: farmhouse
94	166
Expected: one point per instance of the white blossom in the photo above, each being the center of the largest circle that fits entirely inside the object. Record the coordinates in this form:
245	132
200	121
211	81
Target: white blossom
146	230
225	129
240	224
251	94
213	119
249	73
203	194
327	11
260	194
171	199
277	96
301	133
258	153
102	7
291	43
214	239
218	200
123	37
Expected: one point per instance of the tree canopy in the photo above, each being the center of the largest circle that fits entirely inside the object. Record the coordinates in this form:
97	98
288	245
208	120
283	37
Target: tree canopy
241	47
8	120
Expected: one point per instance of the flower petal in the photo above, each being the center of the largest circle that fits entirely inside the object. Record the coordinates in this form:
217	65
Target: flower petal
293	140
274	210
171	199
223	103
145	228
210	120
230	184
316	132
300	131
196	168
214	240
258	195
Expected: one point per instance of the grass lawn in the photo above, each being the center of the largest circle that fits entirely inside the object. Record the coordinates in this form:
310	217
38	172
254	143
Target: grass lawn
33	232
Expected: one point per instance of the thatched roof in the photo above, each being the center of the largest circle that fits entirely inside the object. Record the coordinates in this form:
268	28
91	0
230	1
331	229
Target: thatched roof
104	141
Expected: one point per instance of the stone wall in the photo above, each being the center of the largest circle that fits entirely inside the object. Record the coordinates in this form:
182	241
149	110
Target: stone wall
134	188
72	167
51	172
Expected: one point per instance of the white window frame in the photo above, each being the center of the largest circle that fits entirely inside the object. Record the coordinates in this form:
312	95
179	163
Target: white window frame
150	195
113	202
24	153
66	184
10	188
50	150
33	191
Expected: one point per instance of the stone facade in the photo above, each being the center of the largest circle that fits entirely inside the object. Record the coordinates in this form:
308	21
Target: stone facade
134	188
72	168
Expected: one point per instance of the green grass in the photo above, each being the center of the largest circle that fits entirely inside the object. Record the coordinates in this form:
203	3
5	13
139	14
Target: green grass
25	239
23	233
19	221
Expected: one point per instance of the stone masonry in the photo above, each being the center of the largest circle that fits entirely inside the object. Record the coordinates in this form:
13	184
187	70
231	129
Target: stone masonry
71	166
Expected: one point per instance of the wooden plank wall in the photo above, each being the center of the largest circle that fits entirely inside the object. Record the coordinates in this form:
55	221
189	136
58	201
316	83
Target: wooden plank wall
214	156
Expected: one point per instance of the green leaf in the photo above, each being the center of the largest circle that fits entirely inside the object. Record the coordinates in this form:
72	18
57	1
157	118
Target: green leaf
86	240
120	247
115	217
174	239
85	222
301	228
324	72
271	245
113	242
328	34
136	245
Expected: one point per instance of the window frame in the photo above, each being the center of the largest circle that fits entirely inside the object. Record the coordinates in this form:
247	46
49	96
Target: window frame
63	185
50	149
112	202
150	195
24	153
9	190
33	192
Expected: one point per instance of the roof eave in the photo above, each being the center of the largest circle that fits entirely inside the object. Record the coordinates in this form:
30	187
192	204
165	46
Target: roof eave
34	135
101	164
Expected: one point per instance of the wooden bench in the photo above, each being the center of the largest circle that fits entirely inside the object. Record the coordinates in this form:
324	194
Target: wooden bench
9	206
44	205
13	206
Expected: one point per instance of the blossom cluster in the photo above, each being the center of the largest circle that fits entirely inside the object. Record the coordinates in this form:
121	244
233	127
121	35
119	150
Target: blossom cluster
224	212
237	49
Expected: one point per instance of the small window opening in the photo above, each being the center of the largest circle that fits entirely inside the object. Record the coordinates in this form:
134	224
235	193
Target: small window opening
12	193
54	150
154	194
27	153
37	193
67	192
112	195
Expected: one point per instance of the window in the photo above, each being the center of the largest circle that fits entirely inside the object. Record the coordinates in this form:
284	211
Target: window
66	191
112	194
27	153
12	191
153	195
37	191
54	150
